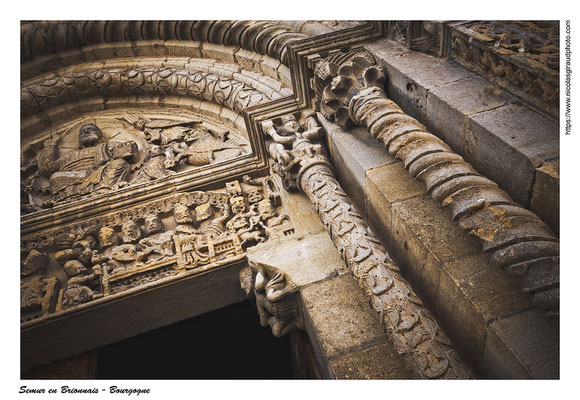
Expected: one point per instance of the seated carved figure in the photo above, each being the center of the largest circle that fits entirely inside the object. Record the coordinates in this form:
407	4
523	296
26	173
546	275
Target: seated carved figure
37	293
124	256
83	284
157	244
244	224
96	167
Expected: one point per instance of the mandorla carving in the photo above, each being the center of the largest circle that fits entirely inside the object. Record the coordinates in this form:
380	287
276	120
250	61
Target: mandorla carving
276	297
56	173
413	330
184	233
227	92
349	89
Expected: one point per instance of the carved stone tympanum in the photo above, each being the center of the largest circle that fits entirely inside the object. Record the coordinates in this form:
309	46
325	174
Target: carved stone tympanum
119	152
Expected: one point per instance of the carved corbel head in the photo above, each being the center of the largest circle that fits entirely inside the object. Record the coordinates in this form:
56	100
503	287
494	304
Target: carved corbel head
276	297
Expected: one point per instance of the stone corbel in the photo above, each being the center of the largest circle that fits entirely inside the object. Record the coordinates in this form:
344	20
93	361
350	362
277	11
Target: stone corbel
349	89
276	297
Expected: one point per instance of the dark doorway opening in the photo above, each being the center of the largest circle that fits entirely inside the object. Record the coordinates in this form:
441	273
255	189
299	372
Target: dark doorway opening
228	343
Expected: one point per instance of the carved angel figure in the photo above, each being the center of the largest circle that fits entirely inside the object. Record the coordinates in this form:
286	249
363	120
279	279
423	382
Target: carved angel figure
187	140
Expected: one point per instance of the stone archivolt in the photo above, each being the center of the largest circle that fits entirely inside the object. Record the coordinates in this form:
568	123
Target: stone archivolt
300	160
262	37
349	90
182	234
228	92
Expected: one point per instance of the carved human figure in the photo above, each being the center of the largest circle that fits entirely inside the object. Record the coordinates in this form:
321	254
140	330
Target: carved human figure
244	224
129	253
157	244
153	166
36	291
108	242
202	146
208	225
290	136
83	284
184	219
94	168
269	219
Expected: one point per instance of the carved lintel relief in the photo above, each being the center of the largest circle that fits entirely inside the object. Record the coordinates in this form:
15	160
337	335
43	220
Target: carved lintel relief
276	296
124	251
97	155
299	158
350	90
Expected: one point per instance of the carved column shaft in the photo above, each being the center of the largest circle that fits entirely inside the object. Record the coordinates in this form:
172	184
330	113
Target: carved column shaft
413	330
348	88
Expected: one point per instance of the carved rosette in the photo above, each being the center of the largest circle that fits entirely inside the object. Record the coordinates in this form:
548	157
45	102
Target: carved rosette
413	330
276	297
349	89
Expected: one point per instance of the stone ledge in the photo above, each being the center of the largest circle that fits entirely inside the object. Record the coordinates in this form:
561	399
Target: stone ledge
504	141
344	330
463	287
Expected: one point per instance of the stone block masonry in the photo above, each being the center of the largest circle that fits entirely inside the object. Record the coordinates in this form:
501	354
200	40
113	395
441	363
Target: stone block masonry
504	140
470	295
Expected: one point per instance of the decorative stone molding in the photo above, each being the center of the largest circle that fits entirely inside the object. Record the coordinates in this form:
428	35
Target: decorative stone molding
263	37
302	164
104	257
349	89
230	93
422	36
522	56
276	297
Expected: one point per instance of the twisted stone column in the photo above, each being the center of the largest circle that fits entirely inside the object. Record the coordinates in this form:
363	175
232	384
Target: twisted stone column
411	327
349	89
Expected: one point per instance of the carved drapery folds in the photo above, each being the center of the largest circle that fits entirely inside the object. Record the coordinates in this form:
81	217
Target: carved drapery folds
298	157
186	233
276	297
79	162
349	89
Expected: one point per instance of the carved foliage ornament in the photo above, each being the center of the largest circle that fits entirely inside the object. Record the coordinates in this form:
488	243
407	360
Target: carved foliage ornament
186	233
349	89
298	157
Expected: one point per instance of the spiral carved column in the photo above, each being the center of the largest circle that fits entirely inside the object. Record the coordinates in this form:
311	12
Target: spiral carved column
349	89
411	327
